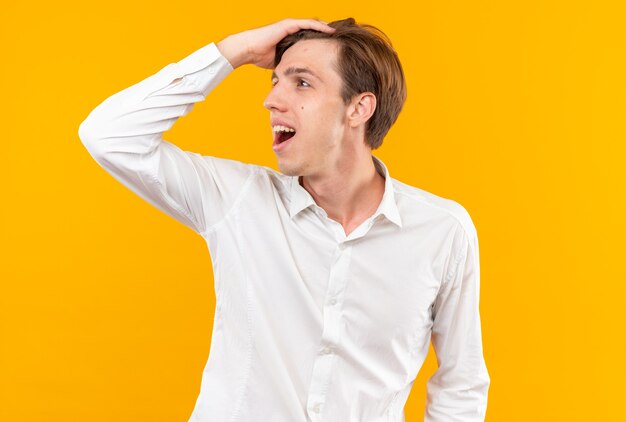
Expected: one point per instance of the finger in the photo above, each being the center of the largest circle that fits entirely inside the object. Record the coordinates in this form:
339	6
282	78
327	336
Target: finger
321	25
309	24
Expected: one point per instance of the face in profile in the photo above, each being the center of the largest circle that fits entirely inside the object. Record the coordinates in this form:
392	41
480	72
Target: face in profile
307	113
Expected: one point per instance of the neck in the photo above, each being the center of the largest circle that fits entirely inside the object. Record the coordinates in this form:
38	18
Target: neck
349	194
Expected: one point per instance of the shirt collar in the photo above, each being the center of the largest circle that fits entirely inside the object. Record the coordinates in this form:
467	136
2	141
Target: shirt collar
302	199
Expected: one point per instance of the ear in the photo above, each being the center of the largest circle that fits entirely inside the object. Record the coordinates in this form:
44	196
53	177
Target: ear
361	108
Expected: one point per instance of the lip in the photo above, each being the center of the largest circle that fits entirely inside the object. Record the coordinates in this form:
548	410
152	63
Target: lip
274	122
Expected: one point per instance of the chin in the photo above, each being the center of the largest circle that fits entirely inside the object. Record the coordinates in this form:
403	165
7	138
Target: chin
286	169
289	171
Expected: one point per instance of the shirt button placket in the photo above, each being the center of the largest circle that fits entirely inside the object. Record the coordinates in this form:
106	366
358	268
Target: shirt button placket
322	367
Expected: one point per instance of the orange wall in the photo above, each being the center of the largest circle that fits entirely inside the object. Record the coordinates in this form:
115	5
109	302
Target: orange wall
515	109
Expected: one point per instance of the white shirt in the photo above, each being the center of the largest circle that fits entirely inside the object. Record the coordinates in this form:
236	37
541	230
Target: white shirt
310	324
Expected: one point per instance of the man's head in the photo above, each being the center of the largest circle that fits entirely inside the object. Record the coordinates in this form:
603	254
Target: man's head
366	62
341	92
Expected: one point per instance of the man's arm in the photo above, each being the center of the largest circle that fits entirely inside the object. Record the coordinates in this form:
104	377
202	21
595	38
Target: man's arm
124	134
457	391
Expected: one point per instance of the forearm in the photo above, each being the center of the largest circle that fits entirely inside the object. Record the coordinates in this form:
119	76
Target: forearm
134	118
458	401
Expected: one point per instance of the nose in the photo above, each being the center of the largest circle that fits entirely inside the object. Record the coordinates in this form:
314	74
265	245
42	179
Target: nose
274	100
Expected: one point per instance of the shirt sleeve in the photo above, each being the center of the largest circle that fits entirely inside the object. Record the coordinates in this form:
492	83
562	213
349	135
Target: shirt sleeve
124	134
457	391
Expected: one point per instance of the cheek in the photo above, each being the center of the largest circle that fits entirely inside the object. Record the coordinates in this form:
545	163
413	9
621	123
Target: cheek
325	121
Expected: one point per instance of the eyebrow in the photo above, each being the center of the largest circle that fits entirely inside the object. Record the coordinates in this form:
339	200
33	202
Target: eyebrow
297	70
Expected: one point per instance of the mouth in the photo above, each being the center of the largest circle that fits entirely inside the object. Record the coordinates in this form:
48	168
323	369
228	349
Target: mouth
282	138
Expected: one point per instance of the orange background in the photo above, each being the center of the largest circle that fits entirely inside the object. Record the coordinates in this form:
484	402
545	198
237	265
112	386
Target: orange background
515	109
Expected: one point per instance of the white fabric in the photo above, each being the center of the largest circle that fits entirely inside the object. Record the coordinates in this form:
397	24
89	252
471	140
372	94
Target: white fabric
310	324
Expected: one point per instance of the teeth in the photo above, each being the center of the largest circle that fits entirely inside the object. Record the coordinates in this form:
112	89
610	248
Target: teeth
279	128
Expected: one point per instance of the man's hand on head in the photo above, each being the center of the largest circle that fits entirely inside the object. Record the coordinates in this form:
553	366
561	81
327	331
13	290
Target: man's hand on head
257	46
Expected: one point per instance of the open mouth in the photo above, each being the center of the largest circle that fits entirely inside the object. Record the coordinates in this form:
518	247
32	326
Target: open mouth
282	136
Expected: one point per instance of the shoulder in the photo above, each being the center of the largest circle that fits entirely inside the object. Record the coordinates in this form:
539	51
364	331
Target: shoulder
445	207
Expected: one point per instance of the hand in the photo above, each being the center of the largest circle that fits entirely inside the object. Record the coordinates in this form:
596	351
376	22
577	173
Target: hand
257	46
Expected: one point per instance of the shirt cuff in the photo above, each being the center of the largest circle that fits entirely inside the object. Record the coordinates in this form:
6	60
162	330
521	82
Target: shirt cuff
203	57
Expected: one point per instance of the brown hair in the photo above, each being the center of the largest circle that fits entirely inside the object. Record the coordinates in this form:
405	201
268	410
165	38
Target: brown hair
366	62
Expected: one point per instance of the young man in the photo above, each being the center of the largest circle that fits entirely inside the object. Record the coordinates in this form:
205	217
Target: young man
331	277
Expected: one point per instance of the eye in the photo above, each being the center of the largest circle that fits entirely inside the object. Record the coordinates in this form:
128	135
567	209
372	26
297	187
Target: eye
274	82
302	81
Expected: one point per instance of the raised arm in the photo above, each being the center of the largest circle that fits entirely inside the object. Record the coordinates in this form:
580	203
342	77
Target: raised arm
457	391
124	133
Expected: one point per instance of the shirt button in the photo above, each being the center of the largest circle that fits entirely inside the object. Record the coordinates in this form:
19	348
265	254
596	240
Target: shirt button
326	351
332	302
317	408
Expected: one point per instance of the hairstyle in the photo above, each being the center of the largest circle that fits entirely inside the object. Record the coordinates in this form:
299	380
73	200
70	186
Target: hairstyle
366	62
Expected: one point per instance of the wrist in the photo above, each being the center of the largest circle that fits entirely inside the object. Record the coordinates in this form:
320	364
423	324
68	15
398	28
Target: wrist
234	52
